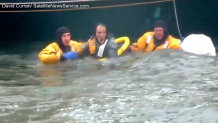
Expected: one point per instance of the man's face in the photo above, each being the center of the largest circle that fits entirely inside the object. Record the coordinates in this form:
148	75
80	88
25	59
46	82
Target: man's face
66	39
159	32
101	33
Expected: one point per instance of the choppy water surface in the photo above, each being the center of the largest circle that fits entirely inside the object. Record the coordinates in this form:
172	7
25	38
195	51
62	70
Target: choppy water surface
161	87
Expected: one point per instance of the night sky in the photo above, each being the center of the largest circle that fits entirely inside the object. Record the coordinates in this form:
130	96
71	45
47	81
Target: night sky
195	16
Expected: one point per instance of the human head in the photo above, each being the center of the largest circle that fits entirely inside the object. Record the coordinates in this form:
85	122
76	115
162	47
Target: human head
159	29
101	32
64	36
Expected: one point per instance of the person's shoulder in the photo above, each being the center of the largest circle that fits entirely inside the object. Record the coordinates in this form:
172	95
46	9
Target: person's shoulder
54	44
92	37
110	35
173	40
73	42
111	38
148	33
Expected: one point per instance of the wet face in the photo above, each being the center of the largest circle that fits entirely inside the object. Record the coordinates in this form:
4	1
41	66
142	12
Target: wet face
66	39
101	33
159	32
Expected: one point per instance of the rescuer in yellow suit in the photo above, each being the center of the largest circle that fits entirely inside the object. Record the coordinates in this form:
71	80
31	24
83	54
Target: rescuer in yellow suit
63	49
156	40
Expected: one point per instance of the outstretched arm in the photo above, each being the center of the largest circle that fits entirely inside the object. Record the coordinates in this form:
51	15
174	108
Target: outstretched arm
85	50
49	55
134	47
141	42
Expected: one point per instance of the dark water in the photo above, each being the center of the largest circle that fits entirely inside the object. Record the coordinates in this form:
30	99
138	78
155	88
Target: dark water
160	87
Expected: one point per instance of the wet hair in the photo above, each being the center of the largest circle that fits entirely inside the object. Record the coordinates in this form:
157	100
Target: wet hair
102	24
99	24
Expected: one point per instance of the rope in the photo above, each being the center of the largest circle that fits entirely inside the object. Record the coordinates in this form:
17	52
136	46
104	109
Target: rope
100	7
52	2
177	22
